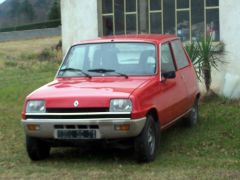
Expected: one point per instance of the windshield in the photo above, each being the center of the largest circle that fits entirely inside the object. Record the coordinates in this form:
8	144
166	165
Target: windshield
109	59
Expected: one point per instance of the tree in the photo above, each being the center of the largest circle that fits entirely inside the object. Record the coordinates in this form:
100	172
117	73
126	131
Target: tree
14	8
27	9
13	12
55	12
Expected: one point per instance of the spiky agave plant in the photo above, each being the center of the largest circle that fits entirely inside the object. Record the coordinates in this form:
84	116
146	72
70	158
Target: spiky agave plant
208	59
192	50
204	58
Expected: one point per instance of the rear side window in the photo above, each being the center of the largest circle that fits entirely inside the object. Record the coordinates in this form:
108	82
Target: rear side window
167	63
180	55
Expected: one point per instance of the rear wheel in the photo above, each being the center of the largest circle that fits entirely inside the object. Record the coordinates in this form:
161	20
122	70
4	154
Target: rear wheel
146	143
192	118
37	149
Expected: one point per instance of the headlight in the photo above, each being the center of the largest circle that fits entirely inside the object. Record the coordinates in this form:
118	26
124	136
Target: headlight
35	107
120	105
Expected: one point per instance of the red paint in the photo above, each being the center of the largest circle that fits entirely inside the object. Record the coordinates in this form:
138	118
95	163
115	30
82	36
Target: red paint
170	98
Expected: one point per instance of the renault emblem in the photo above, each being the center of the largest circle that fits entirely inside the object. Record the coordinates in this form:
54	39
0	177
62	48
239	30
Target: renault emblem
76	103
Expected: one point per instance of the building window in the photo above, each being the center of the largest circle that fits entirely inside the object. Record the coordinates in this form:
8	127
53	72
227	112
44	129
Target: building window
119	17
155	16
108	17
183	19
169	17
131	16
212	19
197	17
188	19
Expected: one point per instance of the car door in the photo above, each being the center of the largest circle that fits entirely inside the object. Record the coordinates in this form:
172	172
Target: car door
185	74
172	91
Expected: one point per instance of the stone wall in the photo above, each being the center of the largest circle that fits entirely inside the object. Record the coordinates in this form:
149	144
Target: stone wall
30	34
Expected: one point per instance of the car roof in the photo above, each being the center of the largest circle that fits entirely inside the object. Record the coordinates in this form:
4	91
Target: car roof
150	38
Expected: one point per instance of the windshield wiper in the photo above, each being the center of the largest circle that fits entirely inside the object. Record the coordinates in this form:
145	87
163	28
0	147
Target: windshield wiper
107	71
101	70
77	70
121	74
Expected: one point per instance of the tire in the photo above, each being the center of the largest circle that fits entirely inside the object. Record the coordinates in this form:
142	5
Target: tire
145	145
192	118
37	149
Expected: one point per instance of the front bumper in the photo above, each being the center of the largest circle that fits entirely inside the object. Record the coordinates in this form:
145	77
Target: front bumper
105	127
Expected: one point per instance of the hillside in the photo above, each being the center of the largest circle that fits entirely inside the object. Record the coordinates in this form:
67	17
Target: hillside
9	15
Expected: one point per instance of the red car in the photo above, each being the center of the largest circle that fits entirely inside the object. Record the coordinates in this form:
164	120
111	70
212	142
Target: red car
114	89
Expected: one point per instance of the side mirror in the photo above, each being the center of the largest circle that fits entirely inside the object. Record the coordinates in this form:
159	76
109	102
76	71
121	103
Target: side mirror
169	75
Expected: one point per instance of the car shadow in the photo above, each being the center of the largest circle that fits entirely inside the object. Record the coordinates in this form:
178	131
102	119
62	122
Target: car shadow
92	154
111	154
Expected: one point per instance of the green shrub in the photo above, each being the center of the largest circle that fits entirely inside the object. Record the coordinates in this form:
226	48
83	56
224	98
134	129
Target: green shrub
47	54
30	56
10	63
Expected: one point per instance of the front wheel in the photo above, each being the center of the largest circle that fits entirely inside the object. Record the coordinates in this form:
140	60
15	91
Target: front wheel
37	149
192	118
146	143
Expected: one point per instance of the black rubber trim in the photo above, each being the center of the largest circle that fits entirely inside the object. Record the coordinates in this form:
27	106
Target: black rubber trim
76	110
114	116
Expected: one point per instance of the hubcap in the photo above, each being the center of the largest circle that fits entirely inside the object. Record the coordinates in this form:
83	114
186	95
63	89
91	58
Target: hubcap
194	114
151	140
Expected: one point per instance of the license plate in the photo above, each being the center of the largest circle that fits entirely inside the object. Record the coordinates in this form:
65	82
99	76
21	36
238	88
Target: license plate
76	134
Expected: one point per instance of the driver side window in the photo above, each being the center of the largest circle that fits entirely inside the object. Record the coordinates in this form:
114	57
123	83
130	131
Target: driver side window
167	63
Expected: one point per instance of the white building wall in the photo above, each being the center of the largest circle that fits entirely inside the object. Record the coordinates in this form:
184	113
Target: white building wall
229	78
79	21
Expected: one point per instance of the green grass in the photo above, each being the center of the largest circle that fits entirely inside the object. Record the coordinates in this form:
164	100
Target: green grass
210	150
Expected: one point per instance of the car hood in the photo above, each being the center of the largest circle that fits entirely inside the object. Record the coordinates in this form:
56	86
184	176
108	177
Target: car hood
95	92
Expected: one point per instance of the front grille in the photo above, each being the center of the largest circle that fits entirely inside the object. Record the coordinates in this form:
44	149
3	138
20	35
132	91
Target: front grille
76	127
76	110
